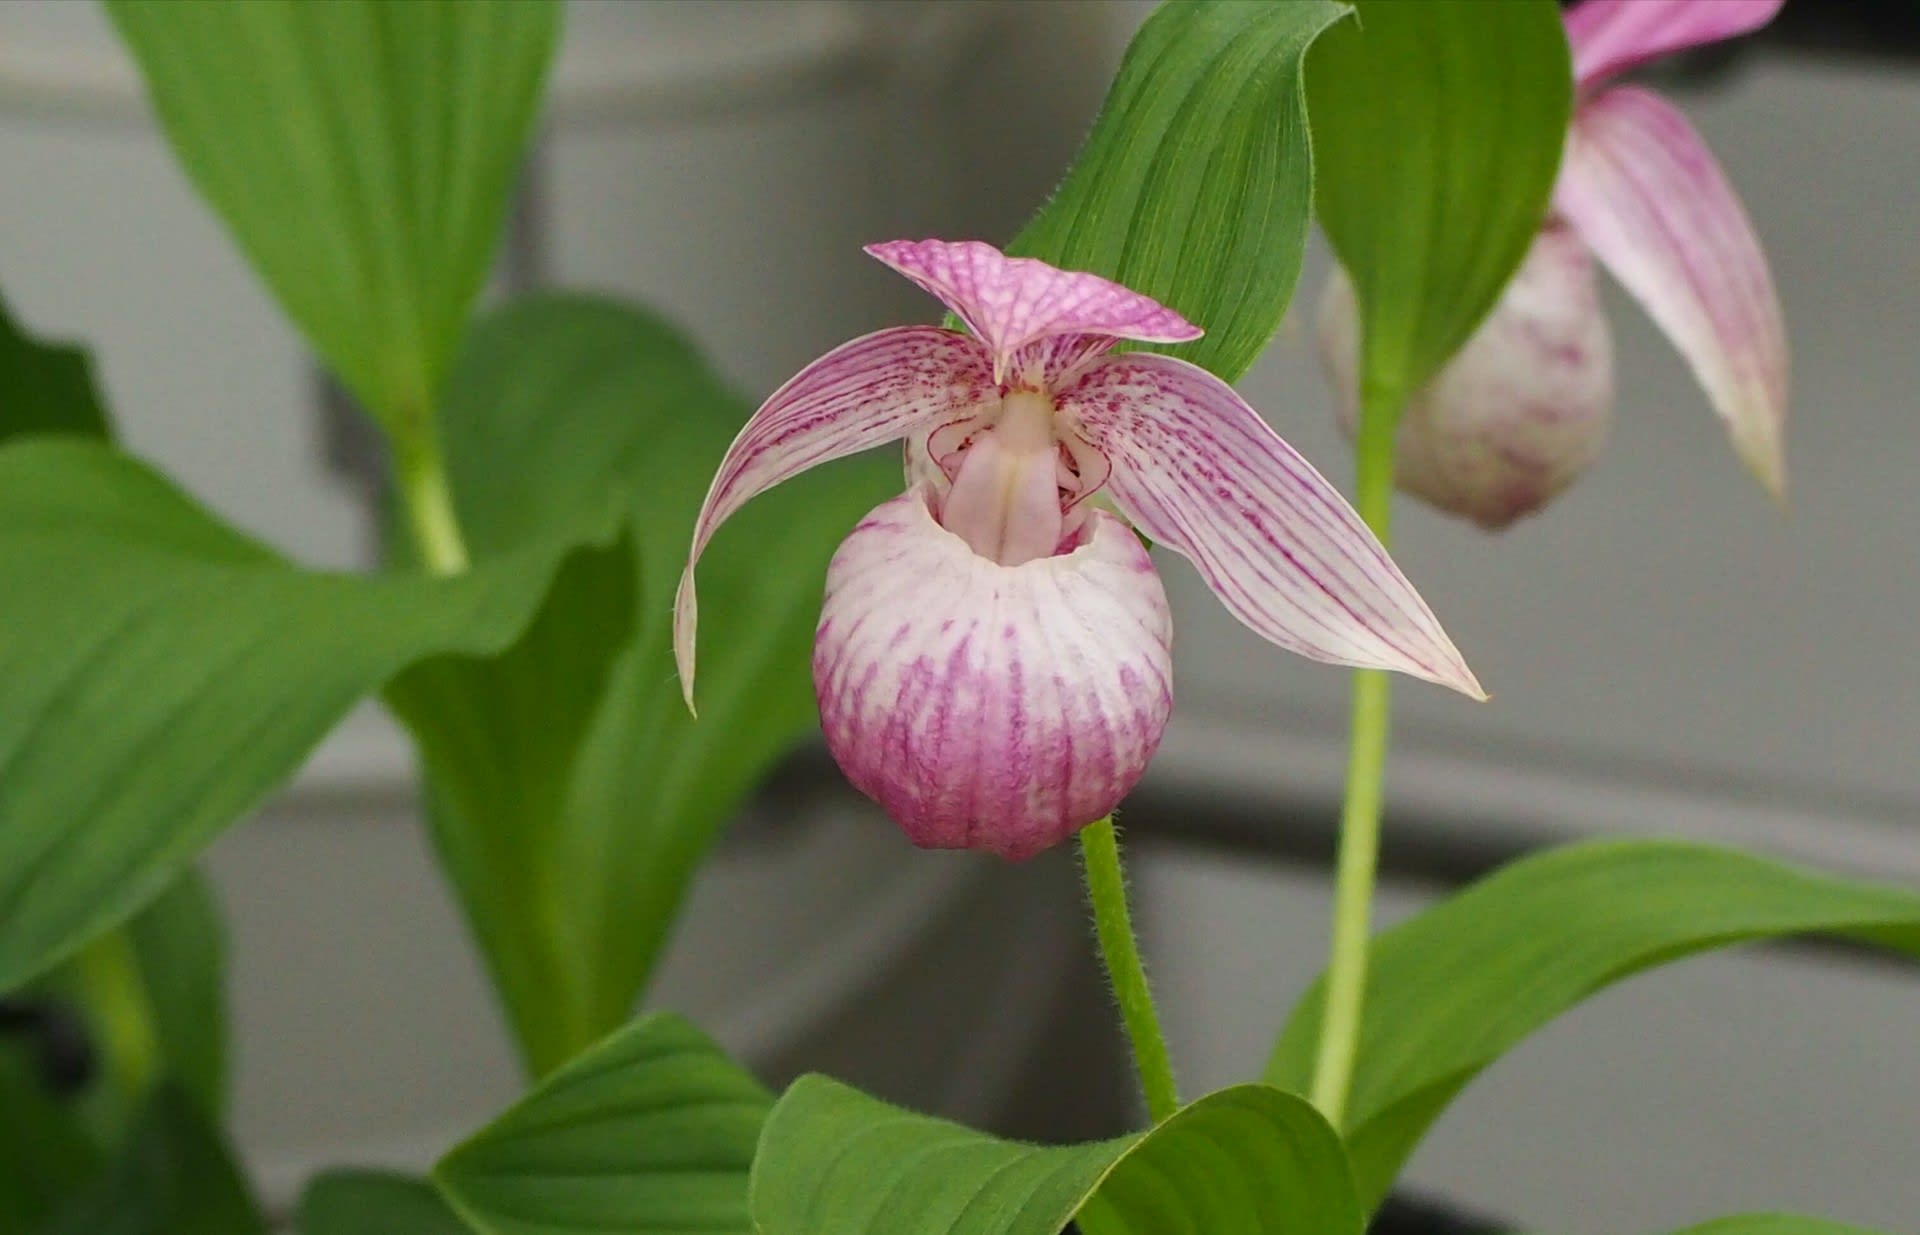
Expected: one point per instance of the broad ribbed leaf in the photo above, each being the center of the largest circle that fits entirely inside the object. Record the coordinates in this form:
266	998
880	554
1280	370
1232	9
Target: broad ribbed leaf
374	1203
361	151
1454	988
572	793
1437	130
164	672
647	1133
153	989
173	1176
45	387
1196	183
1249	1160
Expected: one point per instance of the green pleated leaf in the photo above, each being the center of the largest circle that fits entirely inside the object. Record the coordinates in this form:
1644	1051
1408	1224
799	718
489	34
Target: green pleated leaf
1437	130
362	153
173	1176
647	1133
45	387
164	673
1457	986
1250	1160
572	794
353	1202
1196	183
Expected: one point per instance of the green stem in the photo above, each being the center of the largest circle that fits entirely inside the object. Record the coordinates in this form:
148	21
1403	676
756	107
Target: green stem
1360	815
421	478
107	973
1107	891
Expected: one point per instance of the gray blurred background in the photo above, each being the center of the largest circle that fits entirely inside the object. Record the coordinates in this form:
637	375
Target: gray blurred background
1668	652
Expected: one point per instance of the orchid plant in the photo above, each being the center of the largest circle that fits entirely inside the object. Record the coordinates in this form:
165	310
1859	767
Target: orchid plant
992	661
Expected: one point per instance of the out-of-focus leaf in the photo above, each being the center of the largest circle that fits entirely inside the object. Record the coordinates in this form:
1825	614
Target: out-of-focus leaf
649	1132
361	151
45	1153
374	1203
148	997
180	947
45	387
172	1177
572	793
1249	1159
1196	183
164	672
1454	988
1437	130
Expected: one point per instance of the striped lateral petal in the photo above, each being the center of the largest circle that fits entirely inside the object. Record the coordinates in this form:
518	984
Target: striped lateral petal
871	391
1645	194
988	706
1198	470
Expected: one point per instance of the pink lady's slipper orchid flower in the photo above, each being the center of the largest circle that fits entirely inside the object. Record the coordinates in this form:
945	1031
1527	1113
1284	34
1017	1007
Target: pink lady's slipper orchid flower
1522	410
993	660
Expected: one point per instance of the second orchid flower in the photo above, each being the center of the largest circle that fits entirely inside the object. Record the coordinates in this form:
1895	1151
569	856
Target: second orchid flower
1522	410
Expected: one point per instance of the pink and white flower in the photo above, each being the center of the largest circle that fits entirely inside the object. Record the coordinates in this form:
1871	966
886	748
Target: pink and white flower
993	660
1523	408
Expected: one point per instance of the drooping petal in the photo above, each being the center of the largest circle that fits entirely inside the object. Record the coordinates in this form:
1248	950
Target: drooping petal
1201	473
873	390
1520	411
1647	197
1011	302
1608	37
986	706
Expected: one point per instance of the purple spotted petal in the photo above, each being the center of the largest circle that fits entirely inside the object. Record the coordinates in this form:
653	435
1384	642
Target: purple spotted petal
1011	302
1201	473
1645	194
874	390
986	706
1520	411
1611	36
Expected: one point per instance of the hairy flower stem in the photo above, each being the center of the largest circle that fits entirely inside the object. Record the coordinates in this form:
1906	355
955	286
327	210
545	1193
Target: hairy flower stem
1120	949
1360	816
421	478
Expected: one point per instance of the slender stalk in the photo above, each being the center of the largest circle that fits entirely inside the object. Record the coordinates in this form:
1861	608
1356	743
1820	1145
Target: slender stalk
421	478
1107	891
1360	815
108	976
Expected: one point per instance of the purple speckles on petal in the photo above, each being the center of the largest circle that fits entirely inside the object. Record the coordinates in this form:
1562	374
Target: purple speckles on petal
1027	701
1646	196
1197	470
1013	302
1519	412
873	390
